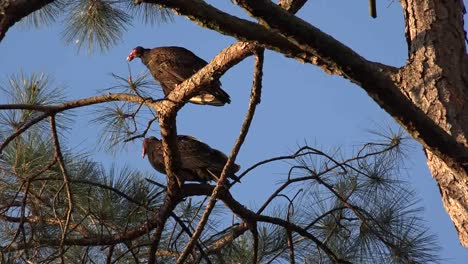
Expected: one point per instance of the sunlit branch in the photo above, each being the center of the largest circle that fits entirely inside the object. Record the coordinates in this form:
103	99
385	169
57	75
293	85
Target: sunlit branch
231	234
306	41
375	79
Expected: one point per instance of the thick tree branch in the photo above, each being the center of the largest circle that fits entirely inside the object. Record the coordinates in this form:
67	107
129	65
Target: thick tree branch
12	11
177	98
370	76
167	111
244	30
375	78
436	80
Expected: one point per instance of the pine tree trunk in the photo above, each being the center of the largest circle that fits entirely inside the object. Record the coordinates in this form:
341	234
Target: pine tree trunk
436	80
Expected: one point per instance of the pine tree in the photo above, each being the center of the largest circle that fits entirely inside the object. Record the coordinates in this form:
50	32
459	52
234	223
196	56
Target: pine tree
59	204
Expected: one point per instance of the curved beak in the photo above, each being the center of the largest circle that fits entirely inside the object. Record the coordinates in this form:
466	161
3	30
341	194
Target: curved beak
131	56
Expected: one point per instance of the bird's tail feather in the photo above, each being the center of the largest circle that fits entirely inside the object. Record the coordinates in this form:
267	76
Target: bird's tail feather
231	176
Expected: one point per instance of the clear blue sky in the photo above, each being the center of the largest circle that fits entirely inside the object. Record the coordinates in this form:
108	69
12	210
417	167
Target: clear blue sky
299	101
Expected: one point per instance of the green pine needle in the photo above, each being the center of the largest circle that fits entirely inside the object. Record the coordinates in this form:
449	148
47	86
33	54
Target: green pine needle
142	85
31	89
95	23
149	13
46	15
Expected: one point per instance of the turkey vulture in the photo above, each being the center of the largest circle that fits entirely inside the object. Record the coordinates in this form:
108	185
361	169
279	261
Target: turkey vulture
173	65
199	162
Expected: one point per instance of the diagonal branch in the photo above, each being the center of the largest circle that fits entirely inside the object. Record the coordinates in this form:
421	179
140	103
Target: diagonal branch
167	111
227	239
167	115
370	76
244	30
254	100
309	44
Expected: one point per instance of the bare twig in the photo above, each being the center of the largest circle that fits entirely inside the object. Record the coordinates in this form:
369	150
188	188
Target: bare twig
199	244
109	254
22	218
254	99
143	134
66	179
292	259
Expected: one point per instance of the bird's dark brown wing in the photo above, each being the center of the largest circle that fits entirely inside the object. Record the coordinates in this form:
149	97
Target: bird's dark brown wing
196	154
199	162
172	65
156	159
201	158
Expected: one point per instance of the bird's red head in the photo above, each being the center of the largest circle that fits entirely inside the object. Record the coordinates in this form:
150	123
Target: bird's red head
135	53
145	147
146	143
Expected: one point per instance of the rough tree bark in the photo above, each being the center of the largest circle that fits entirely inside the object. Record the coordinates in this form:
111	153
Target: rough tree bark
435	79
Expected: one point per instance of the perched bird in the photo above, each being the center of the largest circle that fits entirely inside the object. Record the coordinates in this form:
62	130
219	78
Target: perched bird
173	65
198	161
